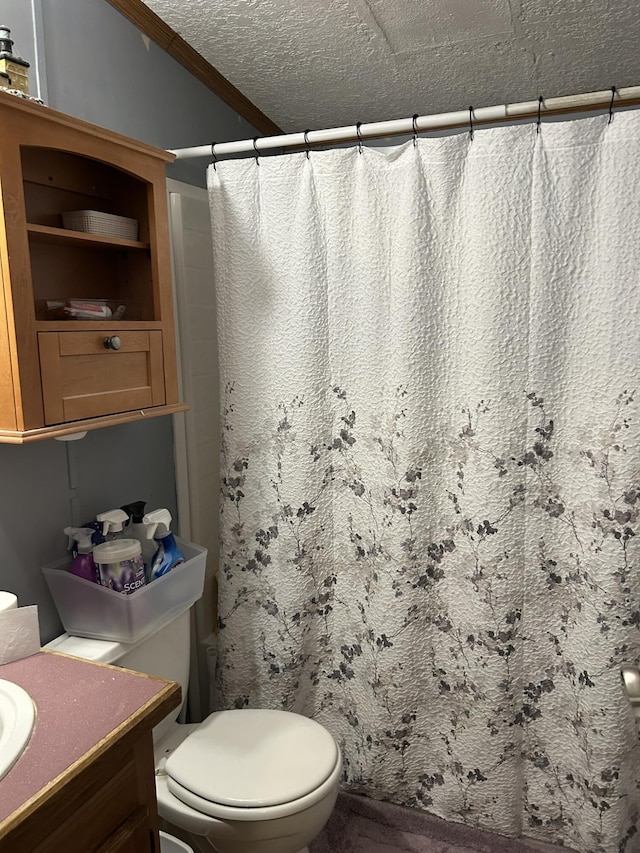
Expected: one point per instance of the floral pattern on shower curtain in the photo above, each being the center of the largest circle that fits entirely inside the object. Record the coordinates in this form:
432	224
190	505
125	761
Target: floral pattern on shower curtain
431	469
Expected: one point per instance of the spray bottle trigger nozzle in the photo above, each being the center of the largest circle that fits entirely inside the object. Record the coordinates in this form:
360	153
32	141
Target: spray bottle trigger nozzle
159	521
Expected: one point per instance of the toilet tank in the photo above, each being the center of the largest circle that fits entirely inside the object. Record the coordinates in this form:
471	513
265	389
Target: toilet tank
165	654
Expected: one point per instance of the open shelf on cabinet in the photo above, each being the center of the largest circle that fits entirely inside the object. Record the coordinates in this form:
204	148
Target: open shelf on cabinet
50	234
68	264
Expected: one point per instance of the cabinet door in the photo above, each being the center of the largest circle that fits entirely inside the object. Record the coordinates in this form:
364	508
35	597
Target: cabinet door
82	378
108	816
133	836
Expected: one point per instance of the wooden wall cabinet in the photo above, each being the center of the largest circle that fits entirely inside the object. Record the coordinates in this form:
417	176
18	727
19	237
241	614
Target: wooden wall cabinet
60	374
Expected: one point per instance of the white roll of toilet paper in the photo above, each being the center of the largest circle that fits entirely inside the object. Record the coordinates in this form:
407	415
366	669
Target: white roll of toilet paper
8	601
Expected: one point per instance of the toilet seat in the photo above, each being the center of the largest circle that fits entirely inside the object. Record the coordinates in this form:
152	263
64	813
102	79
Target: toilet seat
204	809
243	764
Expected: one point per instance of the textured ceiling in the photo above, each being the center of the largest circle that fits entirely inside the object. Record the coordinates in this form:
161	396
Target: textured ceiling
326	63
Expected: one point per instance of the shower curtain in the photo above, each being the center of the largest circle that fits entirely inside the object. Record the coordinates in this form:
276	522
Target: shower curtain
431	470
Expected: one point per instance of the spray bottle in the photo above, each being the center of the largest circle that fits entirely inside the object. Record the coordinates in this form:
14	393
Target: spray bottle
168	554
137	529
83	564
112	522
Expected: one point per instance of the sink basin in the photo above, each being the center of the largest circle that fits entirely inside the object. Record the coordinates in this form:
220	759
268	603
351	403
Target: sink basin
17	716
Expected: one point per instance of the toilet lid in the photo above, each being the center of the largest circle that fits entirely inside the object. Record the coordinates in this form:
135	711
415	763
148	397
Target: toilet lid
251	758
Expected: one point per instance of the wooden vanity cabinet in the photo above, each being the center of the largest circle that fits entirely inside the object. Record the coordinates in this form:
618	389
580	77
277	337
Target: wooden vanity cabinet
106	808
60	373
106	801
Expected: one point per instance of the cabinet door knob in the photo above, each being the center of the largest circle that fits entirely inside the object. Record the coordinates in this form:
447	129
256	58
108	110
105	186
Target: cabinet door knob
112	342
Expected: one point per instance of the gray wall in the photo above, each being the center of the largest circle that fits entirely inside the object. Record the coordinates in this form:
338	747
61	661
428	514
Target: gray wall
100	68
97	66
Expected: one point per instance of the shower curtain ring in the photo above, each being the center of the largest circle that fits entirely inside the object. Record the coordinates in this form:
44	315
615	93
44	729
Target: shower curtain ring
613	94
539	122
359	135
255	148
213	154
306	142
415	129
471	123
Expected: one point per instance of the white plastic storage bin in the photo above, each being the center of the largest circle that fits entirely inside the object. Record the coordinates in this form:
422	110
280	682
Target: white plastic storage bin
90	610
103	224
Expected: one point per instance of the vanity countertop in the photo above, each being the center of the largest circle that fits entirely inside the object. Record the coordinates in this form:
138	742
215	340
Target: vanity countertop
82	709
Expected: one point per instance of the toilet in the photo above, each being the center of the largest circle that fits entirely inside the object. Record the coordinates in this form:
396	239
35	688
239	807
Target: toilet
248	780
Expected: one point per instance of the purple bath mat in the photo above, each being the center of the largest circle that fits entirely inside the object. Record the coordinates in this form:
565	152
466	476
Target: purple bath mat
361	825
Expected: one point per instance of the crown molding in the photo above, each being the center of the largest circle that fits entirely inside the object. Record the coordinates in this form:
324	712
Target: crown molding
155	28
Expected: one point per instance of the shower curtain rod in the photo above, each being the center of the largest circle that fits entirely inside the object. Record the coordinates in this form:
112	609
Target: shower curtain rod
628	96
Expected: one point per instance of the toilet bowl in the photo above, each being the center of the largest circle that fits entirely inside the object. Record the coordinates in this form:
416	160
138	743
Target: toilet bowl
276	780
244	780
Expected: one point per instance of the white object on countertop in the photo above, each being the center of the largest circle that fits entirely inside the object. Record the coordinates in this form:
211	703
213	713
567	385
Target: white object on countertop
8	601
19	633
